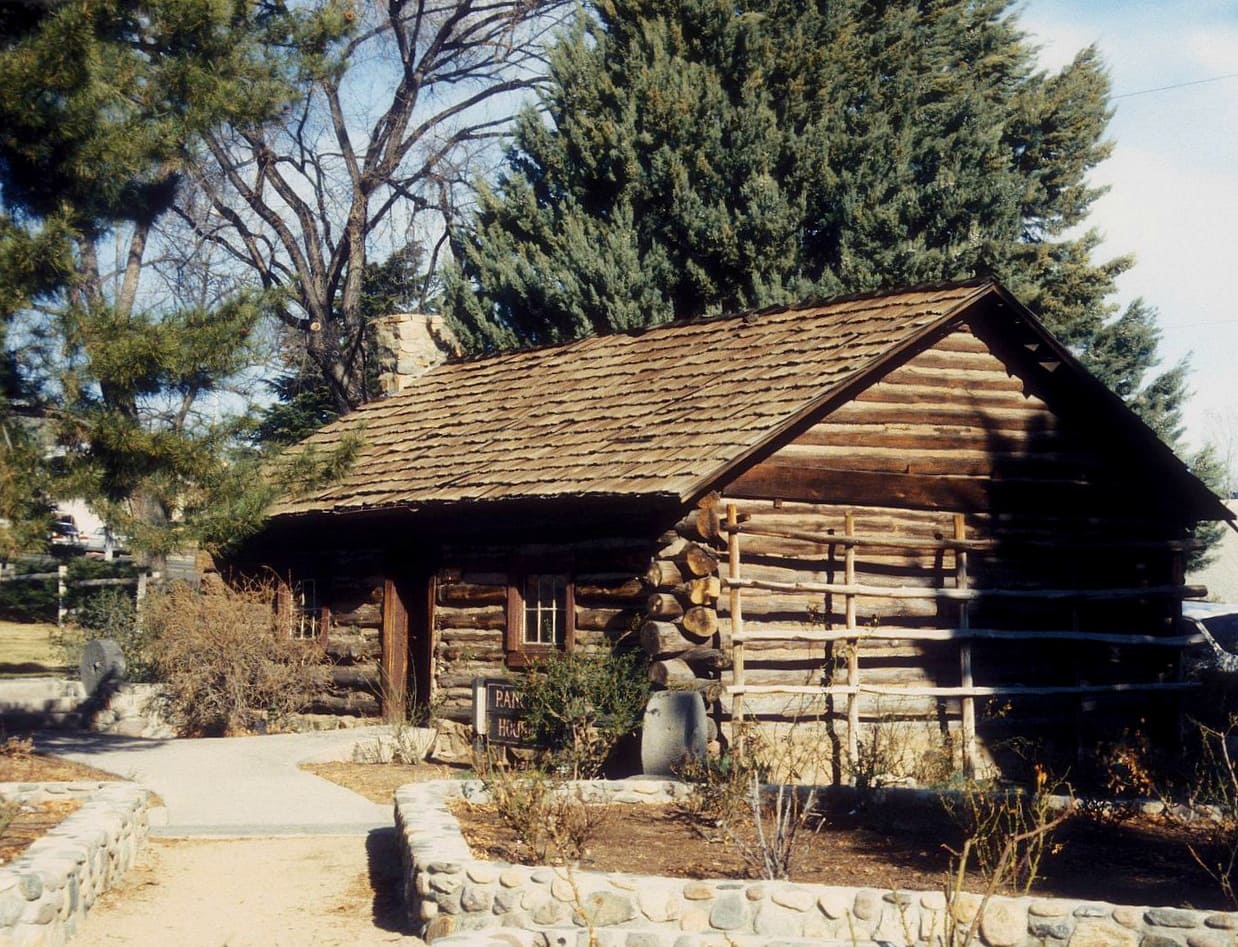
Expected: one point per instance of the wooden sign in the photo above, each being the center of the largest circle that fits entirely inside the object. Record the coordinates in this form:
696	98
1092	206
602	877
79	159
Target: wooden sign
498	712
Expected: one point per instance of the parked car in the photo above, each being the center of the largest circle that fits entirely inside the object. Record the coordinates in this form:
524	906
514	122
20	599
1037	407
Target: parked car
101	539
64	535
1216	628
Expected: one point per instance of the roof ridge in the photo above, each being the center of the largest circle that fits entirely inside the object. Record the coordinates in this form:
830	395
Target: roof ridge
816	302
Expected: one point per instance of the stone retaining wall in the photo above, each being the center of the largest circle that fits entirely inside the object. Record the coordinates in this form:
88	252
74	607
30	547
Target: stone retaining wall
130	710
47	891
449	893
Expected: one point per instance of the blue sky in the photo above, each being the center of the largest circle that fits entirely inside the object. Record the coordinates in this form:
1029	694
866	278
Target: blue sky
1173	176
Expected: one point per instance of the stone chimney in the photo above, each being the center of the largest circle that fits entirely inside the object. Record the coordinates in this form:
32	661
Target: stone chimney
409	345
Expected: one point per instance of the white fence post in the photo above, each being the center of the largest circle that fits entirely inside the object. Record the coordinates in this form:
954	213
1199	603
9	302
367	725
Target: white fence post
62	573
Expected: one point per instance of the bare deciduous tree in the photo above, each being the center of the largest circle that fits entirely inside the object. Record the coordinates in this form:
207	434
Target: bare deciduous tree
373	156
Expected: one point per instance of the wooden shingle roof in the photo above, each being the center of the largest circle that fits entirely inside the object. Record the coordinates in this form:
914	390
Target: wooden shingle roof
655	414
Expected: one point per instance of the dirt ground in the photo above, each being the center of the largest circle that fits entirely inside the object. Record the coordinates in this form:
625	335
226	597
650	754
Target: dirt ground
379	781
30	823
1136	862
274	892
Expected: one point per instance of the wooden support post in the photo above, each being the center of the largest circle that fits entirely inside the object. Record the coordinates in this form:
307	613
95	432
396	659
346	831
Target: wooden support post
1183	725
967	703
139	595
853	652
737	626
62	581
394	663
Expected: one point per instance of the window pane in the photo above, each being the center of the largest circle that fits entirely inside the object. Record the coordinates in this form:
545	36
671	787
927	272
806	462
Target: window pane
306	613
545	609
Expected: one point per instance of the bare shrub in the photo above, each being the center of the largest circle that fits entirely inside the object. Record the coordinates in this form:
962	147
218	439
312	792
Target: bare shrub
894	751
778	814
551	820
17	748
764	809
225	657
8	812
1211	814
408	738
1006	831
1128	770
719	788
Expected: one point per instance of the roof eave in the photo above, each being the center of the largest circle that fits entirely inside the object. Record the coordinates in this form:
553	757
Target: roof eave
1209	501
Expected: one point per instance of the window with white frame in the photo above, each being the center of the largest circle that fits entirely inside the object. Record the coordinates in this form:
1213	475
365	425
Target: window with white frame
545	611
305	616
539	614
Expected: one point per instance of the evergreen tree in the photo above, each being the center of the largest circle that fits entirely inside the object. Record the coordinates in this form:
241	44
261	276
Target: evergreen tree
705	155
101	107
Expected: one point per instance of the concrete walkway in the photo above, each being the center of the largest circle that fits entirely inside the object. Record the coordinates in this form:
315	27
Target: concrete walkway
234	787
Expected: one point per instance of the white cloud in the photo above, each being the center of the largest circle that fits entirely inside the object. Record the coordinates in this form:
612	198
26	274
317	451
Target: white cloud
1214	50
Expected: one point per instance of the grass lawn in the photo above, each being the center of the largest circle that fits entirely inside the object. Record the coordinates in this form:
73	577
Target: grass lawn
28	650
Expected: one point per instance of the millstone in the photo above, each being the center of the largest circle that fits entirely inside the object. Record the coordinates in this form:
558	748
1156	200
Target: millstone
674	729
102	662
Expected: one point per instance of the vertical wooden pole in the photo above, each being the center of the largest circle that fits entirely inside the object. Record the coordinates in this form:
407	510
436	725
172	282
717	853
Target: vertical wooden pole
966	680
853	650
1178	567
62	580
737	626
139	594
394	667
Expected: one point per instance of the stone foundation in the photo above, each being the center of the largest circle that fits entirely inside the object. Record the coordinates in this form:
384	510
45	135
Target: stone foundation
448	893
47	891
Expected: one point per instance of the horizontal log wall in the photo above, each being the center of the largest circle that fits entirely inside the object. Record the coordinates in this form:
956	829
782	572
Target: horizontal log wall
954	430
350	588
470	611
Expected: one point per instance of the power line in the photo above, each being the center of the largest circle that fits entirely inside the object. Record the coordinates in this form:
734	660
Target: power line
1198	325
1176	85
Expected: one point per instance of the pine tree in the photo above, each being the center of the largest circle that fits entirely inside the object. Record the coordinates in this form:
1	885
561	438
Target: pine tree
101	107
702	156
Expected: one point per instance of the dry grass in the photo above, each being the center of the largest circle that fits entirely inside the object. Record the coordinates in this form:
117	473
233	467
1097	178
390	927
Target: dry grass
31	823
37	768
378	781
29	649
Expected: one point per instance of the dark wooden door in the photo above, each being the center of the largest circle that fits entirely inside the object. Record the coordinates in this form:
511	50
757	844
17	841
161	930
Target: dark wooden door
408	640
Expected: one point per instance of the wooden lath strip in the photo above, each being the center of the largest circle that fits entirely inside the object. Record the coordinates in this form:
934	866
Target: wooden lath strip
971	595
958	634
1004	690
877	540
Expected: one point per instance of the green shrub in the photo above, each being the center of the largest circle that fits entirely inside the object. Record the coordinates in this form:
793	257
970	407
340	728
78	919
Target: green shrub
579	706
36	601
33	601
111	613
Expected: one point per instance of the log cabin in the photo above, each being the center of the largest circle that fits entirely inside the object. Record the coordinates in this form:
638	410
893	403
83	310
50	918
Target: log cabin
911	506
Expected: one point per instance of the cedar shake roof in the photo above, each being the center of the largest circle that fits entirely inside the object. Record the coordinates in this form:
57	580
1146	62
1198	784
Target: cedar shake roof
658	414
